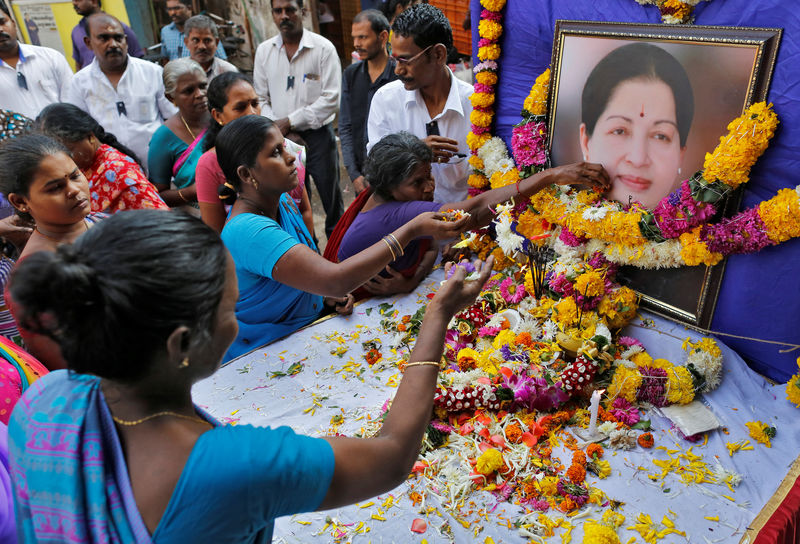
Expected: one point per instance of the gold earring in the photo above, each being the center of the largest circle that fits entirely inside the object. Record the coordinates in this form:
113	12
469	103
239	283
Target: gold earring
255	183
184	363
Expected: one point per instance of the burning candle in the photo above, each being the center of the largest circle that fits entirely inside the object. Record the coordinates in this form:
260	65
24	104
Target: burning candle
593	409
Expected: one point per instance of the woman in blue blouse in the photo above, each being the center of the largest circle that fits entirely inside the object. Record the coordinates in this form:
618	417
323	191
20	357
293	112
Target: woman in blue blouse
114	450
284	283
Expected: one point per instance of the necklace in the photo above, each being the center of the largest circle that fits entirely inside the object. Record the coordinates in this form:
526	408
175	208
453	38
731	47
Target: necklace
127	423
53	238
187	128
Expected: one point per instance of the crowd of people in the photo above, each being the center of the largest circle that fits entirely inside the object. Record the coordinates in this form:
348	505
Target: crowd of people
118	305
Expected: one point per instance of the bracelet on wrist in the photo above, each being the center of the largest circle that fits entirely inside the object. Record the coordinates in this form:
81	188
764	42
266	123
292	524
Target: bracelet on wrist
389	245
423	363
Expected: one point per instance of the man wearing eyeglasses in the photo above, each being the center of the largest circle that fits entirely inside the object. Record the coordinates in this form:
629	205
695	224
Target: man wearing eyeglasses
297	76
427	100
31	77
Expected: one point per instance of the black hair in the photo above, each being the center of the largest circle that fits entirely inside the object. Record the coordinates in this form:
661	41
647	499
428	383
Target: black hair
426	24
69	123
298	2
187	3
388	7
217	96
111	299
637	61
5	9
394	159
238	144
377	20
21	158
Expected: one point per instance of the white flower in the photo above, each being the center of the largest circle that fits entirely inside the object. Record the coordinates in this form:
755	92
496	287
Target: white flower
797	190
505	165
595	213
471	237
549	330
531	327
607	427
509	241
602	330
631	351
496	320
709	366
724	475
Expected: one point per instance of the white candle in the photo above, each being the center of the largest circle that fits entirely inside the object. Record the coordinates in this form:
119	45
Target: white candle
593	409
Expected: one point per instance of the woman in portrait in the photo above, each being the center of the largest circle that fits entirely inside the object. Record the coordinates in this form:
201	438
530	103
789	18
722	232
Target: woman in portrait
636	112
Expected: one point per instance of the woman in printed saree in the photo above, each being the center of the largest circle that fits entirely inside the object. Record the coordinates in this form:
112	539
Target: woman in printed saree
115	450
116	179
398	170
177	145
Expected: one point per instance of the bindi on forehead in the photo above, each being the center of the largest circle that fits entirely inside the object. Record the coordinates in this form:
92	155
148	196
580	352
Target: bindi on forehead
642	112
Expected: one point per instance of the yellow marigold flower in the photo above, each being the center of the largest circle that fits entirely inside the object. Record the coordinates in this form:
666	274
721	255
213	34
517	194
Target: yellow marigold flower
619	307
493	5
501	260
488	361
549	486
793	390
596	533
501	179
489	461
602	468
587	198
652	531
479	181
565	312
536	102
677	9
489	52
780	215
680	386
486	77
642	359
761	432
613	519
475	141
590	284
708	345
491	30
467	356
481	118
532	225
748	137
505	337
481	100
625	383
476	162
694	251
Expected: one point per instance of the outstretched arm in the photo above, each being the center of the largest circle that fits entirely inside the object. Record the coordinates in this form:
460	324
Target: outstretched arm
366	467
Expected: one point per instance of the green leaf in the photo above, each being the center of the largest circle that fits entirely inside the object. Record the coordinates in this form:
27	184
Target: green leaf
643	425
368	311
666	490
385	307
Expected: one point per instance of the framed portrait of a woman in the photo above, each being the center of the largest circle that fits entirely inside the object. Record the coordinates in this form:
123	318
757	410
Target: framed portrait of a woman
648	102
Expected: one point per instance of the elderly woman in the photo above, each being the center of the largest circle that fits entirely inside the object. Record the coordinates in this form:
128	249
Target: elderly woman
284	283
398	170
177	145
116	179
117	446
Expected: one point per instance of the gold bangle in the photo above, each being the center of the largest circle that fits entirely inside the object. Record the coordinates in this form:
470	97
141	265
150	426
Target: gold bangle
389	245
398	246
180	194
424	363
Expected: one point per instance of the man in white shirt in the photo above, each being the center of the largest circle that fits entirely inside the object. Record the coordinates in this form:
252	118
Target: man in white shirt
124	94
31	77
297	76
427	100
202	39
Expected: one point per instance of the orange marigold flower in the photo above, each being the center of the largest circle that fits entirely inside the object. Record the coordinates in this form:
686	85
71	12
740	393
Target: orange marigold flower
524	338
406	318
415	497
401	327
545	453
576	473
594	450
645	440
514	433
578	458
567	505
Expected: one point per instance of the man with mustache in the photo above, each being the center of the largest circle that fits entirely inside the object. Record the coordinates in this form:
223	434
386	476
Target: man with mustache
297	76
173	35
81	53
202	39
360	81
428	100
31	77
124	94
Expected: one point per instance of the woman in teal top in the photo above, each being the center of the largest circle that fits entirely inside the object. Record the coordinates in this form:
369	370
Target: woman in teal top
177	145
114	450
284	283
